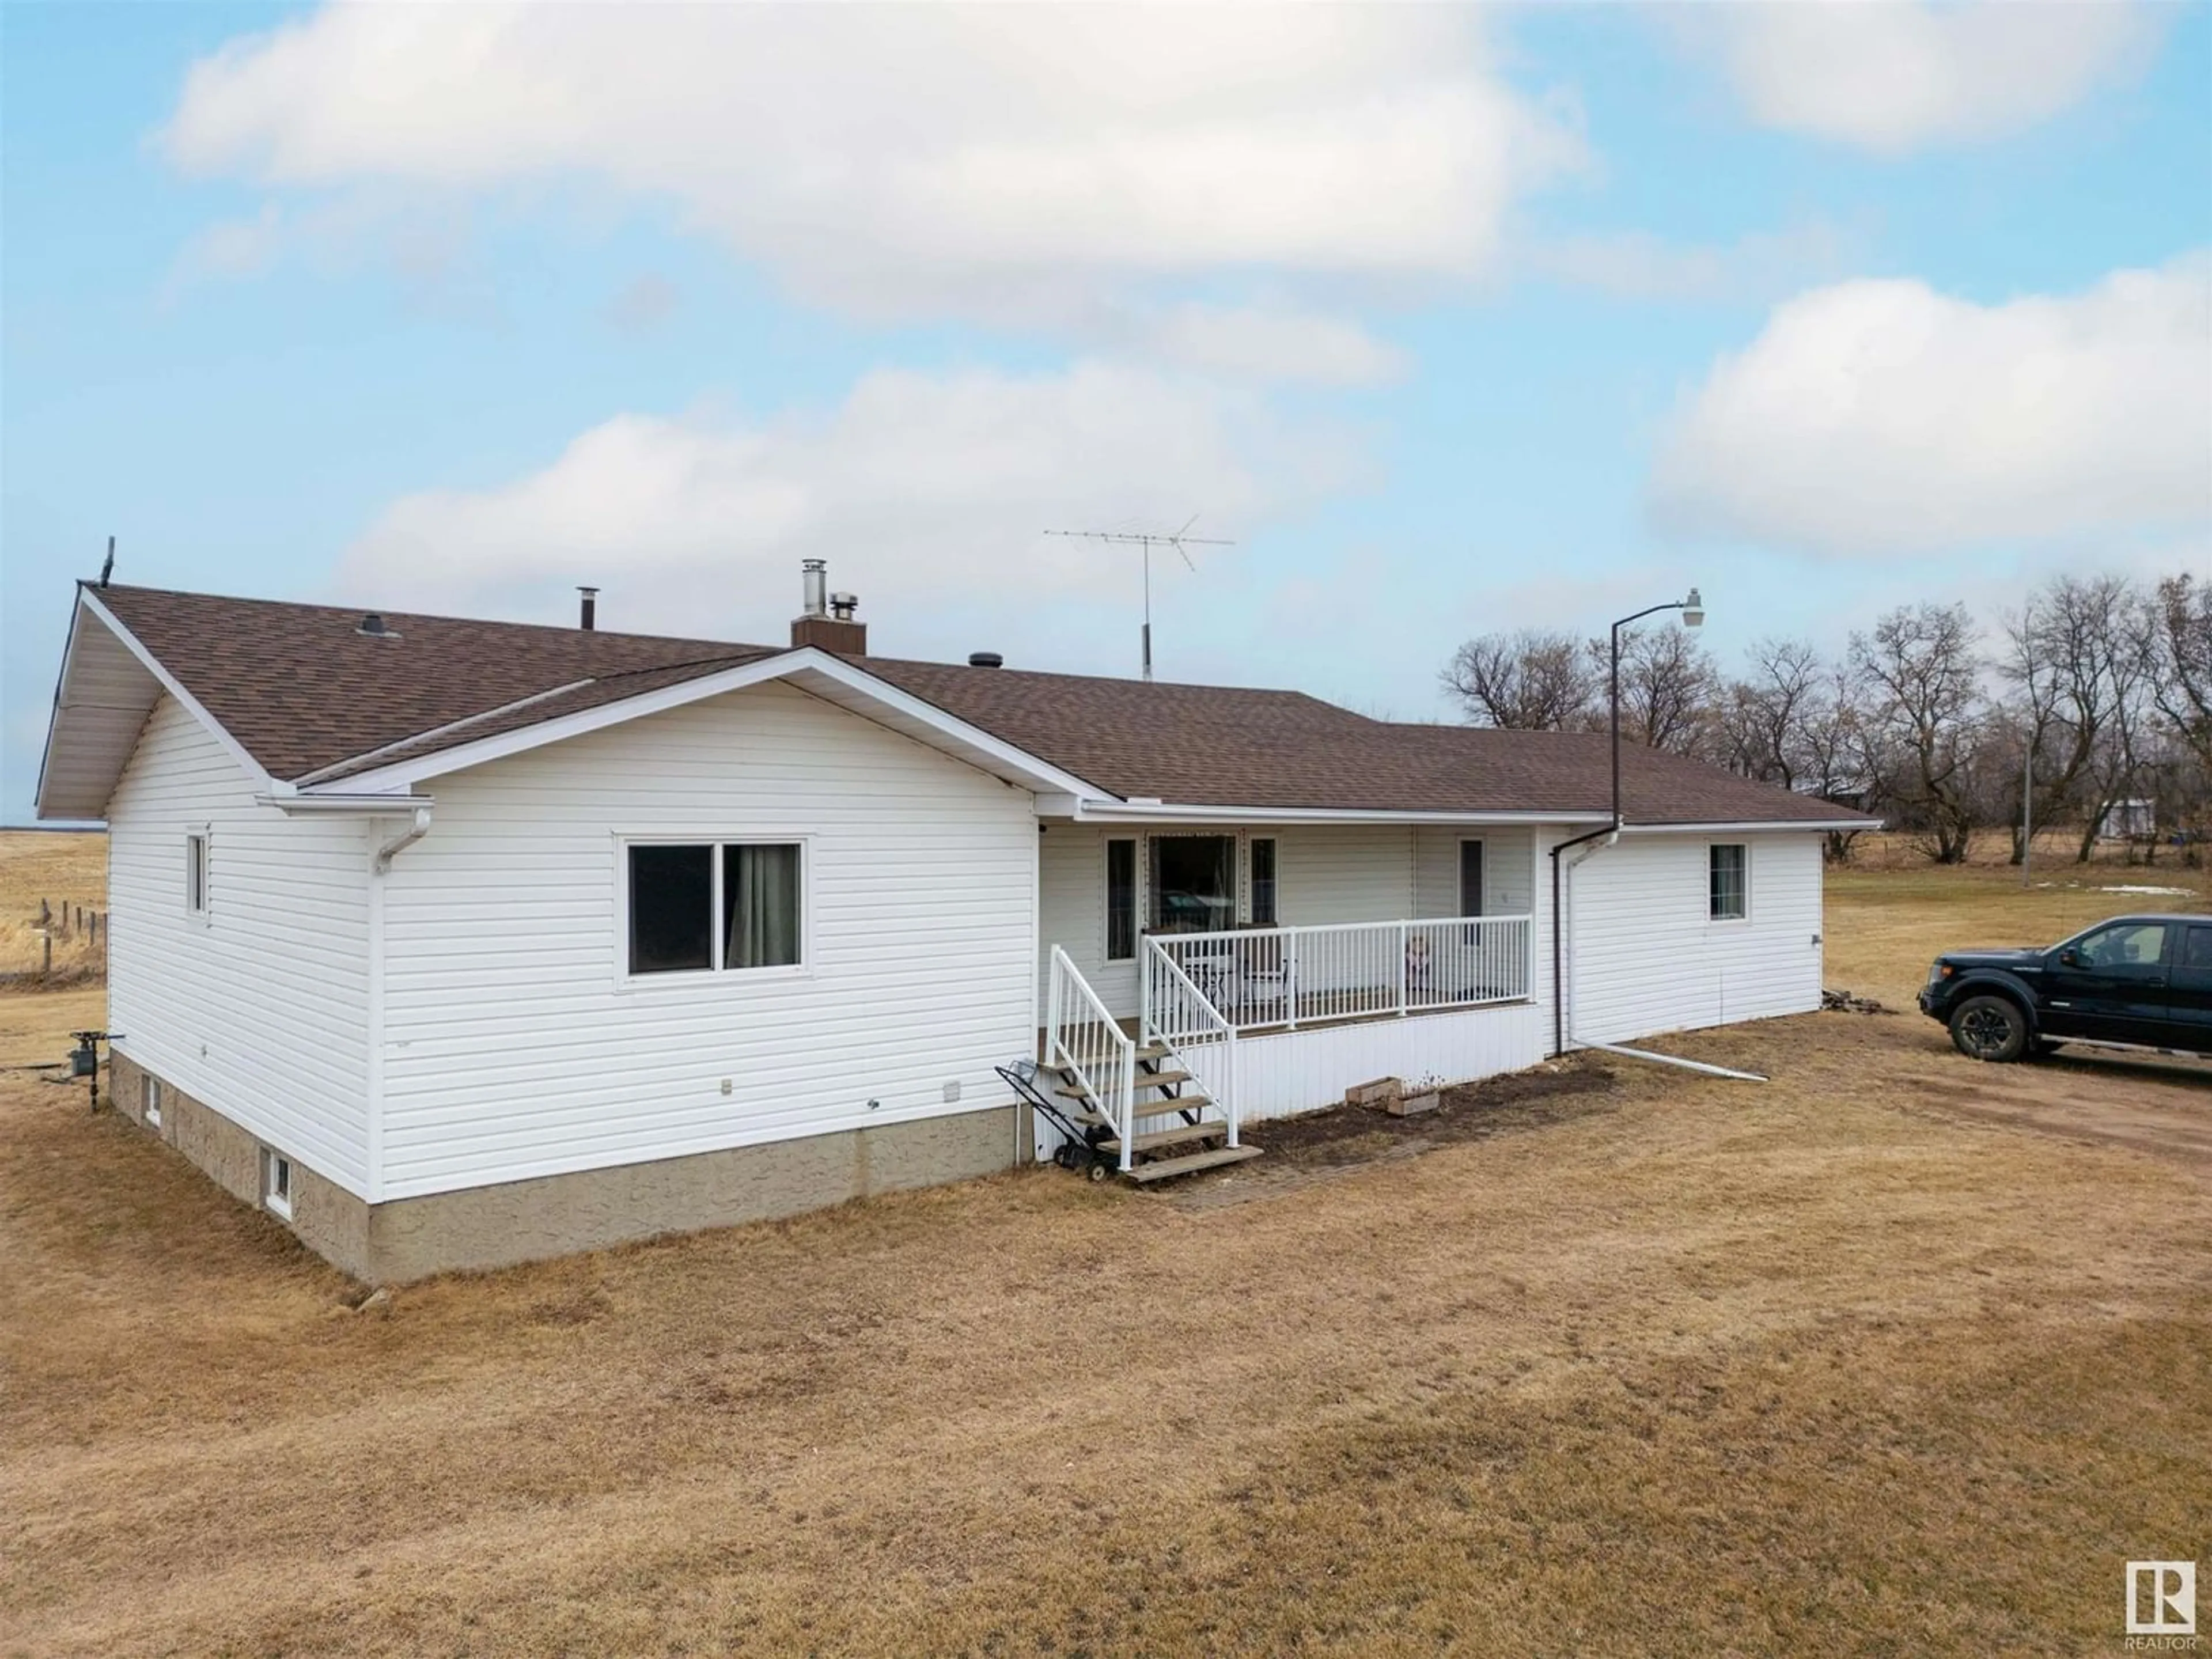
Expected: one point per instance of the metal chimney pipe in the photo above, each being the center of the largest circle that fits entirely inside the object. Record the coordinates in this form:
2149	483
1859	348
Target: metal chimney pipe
591	608
814	576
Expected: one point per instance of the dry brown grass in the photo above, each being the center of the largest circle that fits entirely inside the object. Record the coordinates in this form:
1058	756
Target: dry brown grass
68	870
1815	1367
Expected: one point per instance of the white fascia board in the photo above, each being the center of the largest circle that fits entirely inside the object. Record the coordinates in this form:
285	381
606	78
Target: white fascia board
310	803
169	682
54	716
1122	812
1745	826
1034	773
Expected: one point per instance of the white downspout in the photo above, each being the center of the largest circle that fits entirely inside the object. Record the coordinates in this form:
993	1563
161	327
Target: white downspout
380	866
1567	990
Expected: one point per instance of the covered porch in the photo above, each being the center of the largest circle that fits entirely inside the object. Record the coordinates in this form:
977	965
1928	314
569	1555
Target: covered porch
1275	965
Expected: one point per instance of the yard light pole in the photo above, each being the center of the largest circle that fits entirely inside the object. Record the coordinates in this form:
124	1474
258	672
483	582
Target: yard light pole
1693	616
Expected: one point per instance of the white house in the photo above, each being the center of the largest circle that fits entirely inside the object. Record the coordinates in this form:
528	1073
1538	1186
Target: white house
459	943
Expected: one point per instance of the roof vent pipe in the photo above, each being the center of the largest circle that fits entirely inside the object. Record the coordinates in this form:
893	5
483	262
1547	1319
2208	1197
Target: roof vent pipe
373	625
814	576
589	619
986	659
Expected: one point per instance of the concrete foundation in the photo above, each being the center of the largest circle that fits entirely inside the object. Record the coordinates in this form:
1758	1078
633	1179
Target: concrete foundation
517	1221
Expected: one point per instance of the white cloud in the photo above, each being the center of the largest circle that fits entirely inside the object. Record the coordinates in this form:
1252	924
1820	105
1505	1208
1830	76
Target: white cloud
904	159
929	493
1894	75
1882	418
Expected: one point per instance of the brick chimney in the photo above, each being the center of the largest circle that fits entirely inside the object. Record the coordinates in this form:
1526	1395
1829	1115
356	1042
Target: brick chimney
827	622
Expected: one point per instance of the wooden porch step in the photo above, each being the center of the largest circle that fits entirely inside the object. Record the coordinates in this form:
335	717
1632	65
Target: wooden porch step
1145	1080
1180	1132
1192	1162
1150	1109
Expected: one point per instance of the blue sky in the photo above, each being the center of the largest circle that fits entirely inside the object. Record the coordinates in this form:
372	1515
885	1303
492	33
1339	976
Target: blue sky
1452	320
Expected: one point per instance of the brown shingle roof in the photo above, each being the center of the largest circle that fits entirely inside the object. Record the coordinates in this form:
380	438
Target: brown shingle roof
306	694
301	689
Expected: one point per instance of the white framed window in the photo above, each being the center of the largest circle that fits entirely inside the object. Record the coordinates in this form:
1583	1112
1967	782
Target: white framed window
1728	881
276	1181
713	906
150	1100
1470	877
1261	859
1121	899
195	872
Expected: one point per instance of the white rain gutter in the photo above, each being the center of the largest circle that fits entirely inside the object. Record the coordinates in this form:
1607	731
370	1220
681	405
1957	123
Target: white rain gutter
360	806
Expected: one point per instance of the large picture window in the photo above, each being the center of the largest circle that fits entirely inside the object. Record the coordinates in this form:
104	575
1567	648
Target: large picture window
1728	886
697	907
1194	883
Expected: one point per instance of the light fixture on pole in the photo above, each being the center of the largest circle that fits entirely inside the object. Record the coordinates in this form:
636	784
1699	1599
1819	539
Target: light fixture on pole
1693	616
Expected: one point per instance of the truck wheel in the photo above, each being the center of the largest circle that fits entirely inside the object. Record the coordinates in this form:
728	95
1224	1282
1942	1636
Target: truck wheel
1990	1027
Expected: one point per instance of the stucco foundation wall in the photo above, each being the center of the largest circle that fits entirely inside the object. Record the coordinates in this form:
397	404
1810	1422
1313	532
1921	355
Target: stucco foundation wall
588	1209
330	1220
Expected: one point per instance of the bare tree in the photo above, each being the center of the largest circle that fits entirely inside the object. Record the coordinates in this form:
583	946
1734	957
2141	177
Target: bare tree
1528	681
1764	718
1926	719
2069	651
2181	684
1669	689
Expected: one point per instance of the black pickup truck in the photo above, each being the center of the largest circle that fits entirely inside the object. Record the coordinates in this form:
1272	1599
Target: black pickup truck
2139	982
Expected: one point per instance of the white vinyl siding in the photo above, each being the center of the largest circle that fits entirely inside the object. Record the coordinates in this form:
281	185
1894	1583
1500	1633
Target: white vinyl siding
259	1006
1508	870
515	1047
1648	957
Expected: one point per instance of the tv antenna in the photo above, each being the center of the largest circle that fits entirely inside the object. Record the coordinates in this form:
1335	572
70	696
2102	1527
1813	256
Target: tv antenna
1180	540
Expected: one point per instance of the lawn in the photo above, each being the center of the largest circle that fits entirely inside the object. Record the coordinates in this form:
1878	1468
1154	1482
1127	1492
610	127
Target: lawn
1851	1361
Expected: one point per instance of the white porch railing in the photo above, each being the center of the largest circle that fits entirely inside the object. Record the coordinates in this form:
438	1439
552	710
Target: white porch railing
1102	1057
1260	977
1173	1012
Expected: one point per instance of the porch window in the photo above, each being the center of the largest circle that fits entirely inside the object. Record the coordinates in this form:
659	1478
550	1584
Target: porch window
731	905
1263	882
1727	887
1194	883
1470	877
1121	900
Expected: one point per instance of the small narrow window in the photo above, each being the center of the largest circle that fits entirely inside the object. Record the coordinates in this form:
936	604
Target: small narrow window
276	1183
152	1098
1726	889
672	908
760	906
196	873
1263	882
1470	877
1121	900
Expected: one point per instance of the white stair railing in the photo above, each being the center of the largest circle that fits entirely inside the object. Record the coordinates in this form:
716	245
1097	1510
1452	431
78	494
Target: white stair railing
1089	1043
1175	1014
1284	976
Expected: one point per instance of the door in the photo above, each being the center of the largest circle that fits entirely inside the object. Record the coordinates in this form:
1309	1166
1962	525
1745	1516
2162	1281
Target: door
2110	984
2189	996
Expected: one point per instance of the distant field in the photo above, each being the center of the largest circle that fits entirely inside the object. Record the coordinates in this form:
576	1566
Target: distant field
67	870
1893	1354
